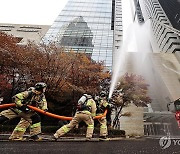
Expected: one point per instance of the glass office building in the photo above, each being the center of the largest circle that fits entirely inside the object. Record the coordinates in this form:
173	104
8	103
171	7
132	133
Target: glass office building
85	26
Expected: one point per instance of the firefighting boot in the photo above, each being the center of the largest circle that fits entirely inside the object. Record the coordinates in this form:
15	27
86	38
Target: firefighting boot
17	136
35	138
16	139
55	137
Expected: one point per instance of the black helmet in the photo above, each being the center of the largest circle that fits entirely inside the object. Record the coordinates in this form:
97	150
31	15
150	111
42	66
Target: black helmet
103	94
40	85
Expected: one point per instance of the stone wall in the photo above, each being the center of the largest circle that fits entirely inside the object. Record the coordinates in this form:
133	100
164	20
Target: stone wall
133	125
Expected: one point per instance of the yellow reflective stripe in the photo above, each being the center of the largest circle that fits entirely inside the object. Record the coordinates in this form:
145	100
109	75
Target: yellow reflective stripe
93	114
18	111
20	96
103	126
65	129
18	103
86	111
105	104
90	126
89	103
35	125
44	108
20	129
44	100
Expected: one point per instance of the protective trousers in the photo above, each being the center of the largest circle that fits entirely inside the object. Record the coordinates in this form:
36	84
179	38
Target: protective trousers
103	126
27	119
79	116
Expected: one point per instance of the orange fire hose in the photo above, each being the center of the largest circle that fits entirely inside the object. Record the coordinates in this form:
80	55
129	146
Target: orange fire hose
3	106
48	113
100	116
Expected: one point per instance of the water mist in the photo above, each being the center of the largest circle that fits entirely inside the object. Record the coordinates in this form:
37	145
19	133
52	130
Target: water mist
136	40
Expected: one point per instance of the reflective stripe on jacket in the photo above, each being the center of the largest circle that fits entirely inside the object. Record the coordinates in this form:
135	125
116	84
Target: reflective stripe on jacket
30	98
92	104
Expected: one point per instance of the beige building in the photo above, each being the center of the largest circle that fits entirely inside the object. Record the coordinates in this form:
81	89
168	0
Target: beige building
164	24
24	32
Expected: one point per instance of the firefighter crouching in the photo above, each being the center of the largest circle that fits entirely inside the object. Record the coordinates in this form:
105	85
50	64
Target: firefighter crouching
35	97
102	105
85	112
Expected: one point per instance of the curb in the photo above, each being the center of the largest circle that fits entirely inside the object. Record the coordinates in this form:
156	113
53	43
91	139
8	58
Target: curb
48	138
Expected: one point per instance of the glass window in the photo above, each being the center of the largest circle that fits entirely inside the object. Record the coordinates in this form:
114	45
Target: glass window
97	31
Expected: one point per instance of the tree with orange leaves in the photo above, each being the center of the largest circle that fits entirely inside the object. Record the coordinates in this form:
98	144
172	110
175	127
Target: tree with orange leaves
131	88
67	74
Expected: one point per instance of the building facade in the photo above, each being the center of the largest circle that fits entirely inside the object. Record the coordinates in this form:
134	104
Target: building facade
88	26
25	33
165	21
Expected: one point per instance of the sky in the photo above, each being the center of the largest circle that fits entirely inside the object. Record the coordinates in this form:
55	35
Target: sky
39	12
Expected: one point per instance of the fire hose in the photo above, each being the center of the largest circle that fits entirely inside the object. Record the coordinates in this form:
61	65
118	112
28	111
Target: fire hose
48	113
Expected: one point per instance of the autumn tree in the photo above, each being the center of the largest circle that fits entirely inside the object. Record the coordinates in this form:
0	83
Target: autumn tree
131	88
5	87
67	74
8	62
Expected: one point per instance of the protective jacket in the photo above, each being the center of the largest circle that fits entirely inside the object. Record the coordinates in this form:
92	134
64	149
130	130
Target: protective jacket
102	105
29	118
90	107
30	98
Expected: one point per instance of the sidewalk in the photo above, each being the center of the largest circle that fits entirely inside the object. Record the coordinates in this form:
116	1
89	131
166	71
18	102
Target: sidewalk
4	137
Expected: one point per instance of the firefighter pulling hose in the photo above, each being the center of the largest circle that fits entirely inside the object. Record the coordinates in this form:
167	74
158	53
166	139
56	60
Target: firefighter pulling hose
102	106
86	111
28	104
29	118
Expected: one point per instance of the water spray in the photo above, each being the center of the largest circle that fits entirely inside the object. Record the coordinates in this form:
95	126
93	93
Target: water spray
118	69
133	36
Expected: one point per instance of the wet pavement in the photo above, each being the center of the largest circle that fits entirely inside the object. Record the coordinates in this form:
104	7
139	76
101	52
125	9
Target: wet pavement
72	145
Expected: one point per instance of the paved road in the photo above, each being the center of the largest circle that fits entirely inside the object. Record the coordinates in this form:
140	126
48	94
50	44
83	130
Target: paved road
124	146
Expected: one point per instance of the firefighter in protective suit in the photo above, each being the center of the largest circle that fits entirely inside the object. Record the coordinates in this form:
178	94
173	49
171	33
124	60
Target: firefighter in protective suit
102	105
85	112
33	96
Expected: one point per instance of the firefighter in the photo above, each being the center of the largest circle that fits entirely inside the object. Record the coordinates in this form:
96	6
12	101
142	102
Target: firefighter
102	105
33	96
85	112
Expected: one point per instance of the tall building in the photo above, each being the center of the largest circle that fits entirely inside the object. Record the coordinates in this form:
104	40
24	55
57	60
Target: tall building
172	10
163	63
88	26
165	19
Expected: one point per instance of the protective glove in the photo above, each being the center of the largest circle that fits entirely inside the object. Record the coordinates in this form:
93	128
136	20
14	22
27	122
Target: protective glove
24	108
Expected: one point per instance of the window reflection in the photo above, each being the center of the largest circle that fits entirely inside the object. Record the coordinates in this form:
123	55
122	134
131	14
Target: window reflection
76	34
85	26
